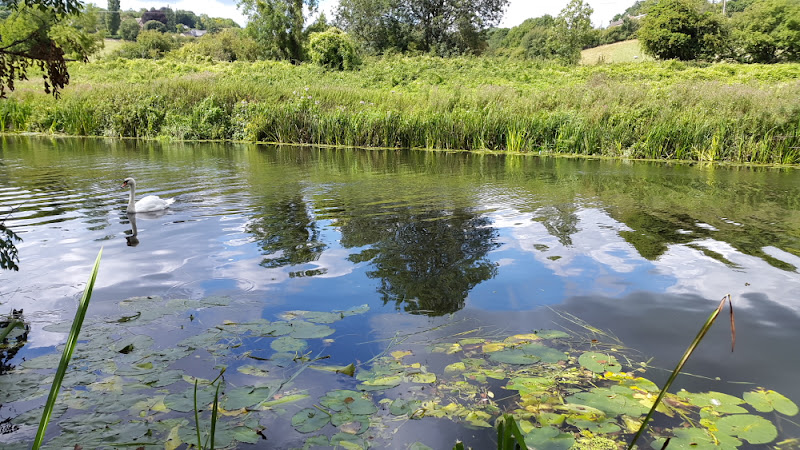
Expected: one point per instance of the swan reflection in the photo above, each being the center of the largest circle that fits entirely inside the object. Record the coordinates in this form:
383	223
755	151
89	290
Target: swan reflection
132	234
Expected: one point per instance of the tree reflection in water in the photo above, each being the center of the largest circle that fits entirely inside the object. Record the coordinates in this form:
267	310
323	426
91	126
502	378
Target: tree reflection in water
286	232
426	262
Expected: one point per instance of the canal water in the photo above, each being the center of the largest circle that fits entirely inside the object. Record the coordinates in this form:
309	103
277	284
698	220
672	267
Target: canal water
433	243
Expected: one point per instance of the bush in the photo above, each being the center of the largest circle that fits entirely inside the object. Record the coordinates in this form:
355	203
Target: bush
334	49
681	29
149	44
230	44
129	29
769	32
154	25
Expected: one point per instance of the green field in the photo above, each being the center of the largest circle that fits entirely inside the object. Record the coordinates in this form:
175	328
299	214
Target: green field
618	52
655	110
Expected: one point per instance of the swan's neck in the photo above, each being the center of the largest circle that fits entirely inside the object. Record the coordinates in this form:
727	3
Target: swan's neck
131	203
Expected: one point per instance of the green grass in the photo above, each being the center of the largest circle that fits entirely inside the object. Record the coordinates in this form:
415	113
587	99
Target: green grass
109	46
618	52
655	110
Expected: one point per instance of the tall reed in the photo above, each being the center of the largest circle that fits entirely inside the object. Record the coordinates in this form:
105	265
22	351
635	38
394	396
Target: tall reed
69	348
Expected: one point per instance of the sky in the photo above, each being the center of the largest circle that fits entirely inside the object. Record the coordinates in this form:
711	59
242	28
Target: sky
517	12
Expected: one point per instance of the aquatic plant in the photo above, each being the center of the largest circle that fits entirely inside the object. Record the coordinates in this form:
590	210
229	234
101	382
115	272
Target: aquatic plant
654	110
66	355
561	388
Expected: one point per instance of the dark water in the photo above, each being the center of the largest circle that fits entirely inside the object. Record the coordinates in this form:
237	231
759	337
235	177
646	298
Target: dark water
643	250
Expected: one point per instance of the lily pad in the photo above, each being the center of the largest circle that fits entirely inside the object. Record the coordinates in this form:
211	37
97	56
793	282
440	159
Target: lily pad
545	353
514	356
549	438
247	396
696	439
400	407
599	362
768	401
753	429
287	344
717	401
309	420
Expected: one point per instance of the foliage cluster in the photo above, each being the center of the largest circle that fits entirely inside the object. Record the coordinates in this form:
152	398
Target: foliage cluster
446	27
759	31
333	49
673	110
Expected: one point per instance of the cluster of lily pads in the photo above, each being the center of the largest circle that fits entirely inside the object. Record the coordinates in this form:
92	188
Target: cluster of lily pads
565	392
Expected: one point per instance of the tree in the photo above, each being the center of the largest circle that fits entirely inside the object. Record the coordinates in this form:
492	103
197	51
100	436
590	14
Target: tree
129	29
768	31
154	25
440	26
682	29
154	14
113	19
575	24
25	40
187	18
277	25
334	49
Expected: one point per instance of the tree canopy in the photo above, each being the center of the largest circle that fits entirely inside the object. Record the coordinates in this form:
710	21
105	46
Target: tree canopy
441	26
30	36
682	29
277	25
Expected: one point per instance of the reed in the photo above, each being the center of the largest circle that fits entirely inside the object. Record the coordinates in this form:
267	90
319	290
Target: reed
69	348
653	110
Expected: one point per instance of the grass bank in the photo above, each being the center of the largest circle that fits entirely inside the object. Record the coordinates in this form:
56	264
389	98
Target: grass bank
672	110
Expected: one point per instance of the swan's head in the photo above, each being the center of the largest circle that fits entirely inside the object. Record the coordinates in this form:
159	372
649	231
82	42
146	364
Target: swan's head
128	182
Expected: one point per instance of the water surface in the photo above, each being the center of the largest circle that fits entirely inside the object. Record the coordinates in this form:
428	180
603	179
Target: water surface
643	250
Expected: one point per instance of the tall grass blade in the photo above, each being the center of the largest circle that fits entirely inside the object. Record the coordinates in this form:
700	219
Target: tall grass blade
214	412
69	348
196	417
682	362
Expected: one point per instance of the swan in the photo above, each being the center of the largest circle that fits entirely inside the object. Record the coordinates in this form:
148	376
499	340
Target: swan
147	203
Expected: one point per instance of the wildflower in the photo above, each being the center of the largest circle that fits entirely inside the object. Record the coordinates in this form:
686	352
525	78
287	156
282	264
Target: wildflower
361	102
306	88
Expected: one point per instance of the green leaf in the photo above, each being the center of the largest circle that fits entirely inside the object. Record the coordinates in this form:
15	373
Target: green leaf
611	402
247	396
514	356
599	362
767	401
717	401
309	420
400	407
305	330
287	344
753	429
549	438
546	354
696	439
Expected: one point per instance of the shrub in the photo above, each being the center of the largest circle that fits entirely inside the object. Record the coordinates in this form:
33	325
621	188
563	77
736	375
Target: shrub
230	44
769	32
681	29
334	49
149	44
129	29
155	26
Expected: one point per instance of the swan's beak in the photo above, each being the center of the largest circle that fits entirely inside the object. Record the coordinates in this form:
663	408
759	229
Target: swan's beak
124	183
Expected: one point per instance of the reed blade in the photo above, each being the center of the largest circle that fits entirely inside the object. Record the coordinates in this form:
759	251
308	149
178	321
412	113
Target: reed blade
69	348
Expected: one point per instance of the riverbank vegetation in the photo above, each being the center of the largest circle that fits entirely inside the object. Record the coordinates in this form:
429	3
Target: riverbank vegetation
438	85
676	110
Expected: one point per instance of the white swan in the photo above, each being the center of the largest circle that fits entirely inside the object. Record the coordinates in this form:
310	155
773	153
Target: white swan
147	203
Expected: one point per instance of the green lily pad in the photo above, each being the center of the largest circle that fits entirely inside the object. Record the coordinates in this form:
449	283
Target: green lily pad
309	420
247	396
528	385
306	330
612	402
717	401
753	429
287	344
696	439
596	427
514	356
546	354
599	362
552	334
400	407
768	401
548	438
184	401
